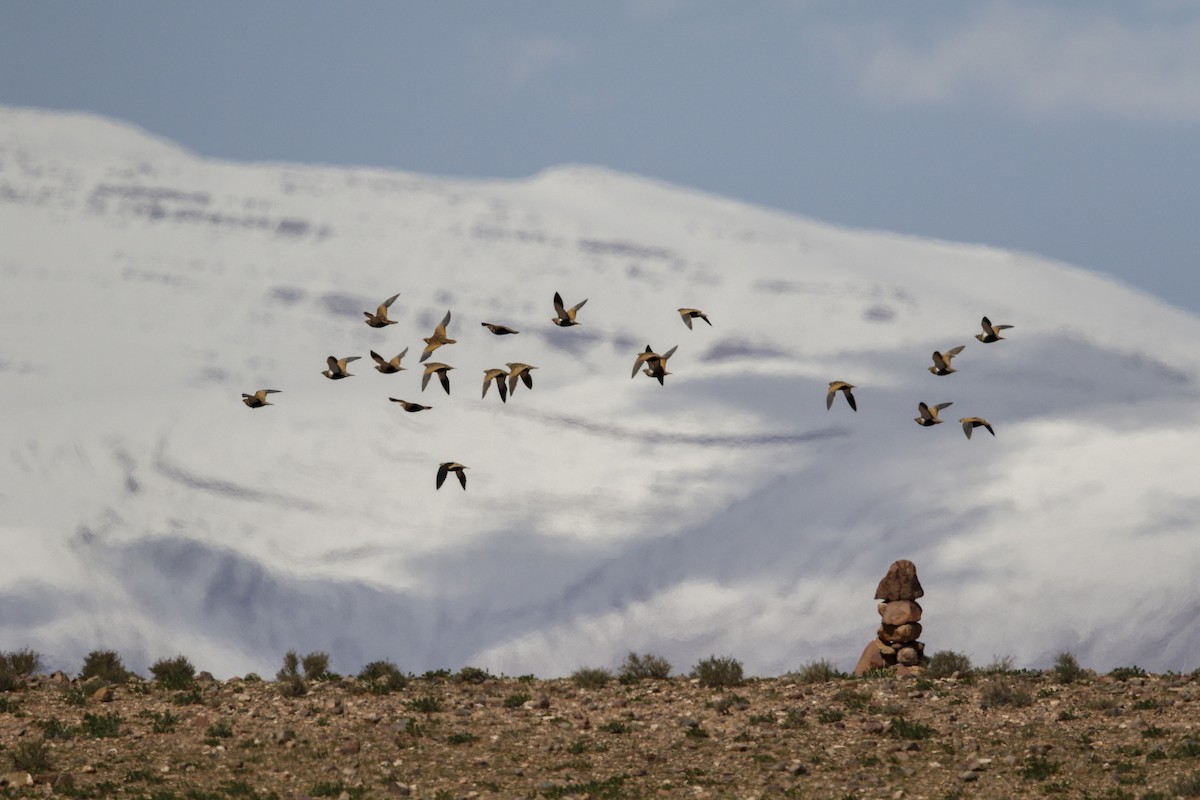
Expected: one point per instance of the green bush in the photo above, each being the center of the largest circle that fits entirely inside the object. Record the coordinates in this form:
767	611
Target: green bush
8	679
316	666
1066	669
101	726
174	673
32	756
821	671
718	672
105	665
945	663
1125	673
591	677
291	682
427	704
647	665
1004	693
472	675
22	662
383	677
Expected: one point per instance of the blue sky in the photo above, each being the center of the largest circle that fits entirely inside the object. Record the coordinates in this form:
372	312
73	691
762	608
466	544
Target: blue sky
1070	129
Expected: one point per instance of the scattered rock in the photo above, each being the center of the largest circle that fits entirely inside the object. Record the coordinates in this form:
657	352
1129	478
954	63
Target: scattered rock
103	695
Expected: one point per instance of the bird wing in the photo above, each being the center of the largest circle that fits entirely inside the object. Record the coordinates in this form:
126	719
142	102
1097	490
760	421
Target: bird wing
444	376
687	317
662	360
576	307
1003	327
558	306
334	366
425	378
850	398
378	359
987	325
968	426
924	411
829	396
939	360
987	425
462	477
441	476
385	305
527	377
952	352
501	388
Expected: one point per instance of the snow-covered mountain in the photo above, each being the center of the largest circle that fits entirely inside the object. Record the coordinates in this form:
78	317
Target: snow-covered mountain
144	508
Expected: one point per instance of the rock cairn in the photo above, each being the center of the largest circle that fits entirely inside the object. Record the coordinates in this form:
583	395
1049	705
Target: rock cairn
896	646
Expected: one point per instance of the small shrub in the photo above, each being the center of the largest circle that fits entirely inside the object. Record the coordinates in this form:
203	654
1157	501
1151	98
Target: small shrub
427	704
32	756
614	726
903	729
1039	769
22	662
1000	665
101	726
728	703
718	673
461	737
945	663
219	730
190	697
1066	669
383	677
1004	693
472	675
1188	748
647	665
174	673
9	680
822	671
516	700
164	722
9	706
830	715
1188	786
436	675
53	728
74	696
316	666
591	677
291	682
105	665
1125	673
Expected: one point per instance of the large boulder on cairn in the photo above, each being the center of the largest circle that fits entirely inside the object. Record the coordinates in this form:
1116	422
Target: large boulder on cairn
900	583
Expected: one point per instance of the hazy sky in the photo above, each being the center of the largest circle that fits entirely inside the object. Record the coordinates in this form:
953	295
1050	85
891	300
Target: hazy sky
1070	129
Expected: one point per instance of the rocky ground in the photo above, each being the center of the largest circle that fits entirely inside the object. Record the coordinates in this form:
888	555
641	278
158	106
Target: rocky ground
986	735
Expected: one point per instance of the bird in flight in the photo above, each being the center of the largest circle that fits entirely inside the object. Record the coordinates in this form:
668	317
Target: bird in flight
518	371
991	333
438	339
387	366
337	367
497	375
407	406
380	318
970	423
941	361
655	364
442	371
690	314
844	388
499	330
929	416
259	398
566	316
448	467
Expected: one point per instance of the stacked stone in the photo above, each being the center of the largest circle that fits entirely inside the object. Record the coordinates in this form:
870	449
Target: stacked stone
896	646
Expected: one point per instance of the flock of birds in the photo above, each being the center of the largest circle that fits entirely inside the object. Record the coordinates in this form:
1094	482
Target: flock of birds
650	363
941	366
654	365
